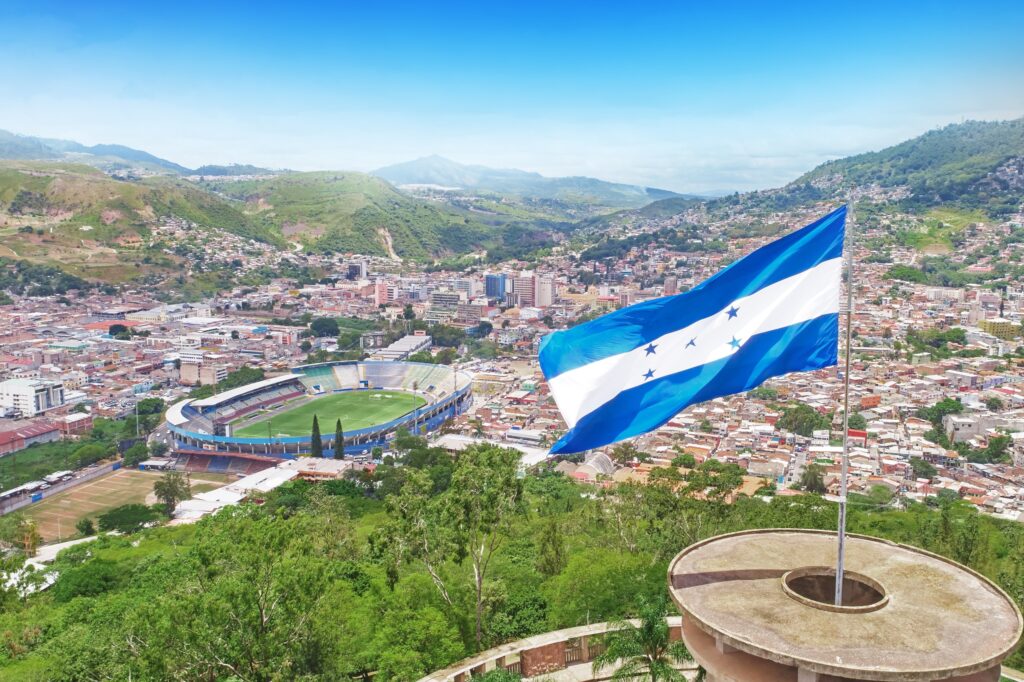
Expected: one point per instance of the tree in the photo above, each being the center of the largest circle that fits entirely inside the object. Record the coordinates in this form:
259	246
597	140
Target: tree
994	403
684	460
158	448
85	527
472	518
135	454
624	453
705	426
857	421
644	651
408	313
551	554
803	420
922	468
812	479
324	326
316	444
89	454
484	498
20	532
339	440
446	356
127	518
172	488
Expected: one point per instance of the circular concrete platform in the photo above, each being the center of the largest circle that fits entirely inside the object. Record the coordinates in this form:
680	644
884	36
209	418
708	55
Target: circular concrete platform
927	617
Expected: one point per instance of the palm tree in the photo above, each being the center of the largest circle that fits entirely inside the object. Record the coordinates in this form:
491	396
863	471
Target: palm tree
644	652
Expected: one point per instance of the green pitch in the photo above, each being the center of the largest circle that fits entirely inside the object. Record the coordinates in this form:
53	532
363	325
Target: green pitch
356	409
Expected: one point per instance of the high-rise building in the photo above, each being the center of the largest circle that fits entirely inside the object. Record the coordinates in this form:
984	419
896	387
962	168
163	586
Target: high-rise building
671	285
494	286
525	287
446	299
545	292
356	270
380	293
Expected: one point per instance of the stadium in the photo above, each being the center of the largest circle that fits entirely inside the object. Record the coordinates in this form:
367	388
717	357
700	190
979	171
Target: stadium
251	427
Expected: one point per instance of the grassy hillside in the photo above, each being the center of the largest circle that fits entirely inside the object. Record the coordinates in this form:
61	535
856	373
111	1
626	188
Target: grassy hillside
347	211
76	217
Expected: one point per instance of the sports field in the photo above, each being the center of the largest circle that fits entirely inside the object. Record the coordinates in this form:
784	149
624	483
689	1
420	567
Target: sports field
356	409
56	516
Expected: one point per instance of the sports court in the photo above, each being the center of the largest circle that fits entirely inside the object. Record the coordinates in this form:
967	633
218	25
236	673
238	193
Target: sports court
356	409
56	516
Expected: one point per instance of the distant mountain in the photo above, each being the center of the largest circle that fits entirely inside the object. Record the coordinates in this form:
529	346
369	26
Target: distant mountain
233	170
977	164
437	170
104	156
348	211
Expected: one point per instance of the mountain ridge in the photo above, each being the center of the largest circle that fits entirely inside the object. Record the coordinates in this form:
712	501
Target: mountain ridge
443	172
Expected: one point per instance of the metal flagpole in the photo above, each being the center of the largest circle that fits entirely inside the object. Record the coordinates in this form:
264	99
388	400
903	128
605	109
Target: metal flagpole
846	412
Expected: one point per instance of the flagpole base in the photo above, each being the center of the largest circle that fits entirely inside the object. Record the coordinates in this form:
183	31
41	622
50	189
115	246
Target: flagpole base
757	605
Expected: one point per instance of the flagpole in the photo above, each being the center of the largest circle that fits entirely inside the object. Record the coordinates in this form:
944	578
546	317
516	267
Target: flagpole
844	466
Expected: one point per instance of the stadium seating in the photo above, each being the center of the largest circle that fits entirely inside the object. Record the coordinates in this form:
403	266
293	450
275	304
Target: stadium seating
322	376
219	464
346	376
384	374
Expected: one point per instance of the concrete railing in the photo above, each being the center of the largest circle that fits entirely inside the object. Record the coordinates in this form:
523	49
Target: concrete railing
540	655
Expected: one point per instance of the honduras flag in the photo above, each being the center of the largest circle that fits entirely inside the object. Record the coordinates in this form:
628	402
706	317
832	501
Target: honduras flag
773	312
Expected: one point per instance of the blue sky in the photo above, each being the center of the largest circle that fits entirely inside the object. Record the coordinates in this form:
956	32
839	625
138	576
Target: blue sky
687	96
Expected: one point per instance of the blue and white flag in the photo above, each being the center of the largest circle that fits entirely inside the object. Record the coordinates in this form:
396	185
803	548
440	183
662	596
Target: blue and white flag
772	312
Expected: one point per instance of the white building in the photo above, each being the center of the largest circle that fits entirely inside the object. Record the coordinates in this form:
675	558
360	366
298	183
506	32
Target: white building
545	293
31	397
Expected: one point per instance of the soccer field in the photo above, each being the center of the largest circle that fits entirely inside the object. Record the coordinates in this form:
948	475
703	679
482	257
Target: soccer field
56	516
356	409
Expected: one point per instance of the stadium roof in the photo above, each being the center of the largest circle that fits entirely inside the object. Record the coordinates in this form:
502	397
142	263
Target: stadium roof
226	396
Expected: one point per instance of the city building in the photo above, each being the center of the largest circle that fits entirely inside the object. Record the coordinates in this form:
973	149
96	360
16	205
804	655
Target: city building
31	397
494	286
1000	328
545	292
525	288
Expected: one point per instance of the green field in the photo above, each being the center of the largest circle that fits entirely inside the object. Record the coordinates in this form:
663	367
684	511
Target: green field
356	409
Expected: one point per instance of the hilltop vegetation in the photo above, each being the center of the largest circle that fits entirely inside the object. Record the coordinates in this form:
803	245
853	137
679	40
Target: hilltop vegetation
386	573
974	165
346	211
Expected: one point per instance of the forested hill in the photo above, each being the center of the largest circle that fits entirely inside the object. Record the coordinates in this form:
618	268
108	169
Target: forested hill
974	164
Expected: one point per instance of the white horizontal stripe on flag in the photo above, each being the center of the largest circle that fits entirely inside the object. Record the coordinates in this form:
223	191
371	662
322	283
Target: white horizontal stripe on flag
790	301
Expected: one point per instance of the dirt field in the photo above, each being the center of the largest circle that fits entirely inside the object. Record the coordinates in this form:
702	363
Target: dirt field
56	516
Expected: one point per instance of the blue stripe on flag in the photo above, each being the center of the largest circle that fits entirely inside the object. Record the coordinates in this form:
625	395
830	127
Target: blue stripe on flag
809	345
637	325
